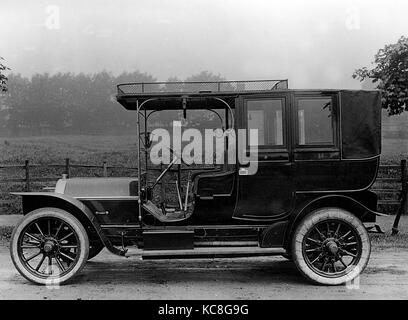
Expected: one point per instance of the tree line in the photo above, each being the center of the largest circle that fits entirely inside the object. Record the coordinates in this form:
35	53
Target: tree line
85	103
71	103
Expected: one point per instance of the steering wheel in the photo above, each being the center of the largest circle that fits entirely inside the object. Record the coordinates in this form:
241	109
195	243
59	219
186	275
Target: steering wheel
178	157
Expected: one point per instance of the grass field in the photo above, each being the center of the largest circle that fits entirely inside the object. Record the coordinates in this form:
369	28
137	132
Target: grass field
81	149
121	151
393	150
94	149
116	150
387	240
86	149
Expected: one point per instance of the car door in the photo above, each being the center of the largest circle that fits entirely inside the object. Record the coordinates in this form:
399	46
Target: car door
316	143
269	192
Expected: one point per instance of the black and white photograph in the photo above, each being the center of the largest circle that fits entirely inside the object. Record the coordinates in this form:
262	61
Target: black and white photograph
215	151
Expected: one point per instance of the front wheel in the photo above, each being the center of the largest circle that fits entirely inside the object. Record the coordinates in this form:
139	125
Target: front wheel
49	246
331	246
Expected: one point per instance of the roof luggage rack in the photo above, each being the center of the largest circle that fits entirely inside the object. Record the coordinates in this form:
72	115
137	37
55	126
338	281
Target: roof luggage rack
202	86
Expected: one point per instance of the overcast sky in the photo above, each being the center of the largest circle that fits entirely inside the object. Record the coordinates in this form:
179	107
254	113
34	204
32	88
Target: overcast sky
315	44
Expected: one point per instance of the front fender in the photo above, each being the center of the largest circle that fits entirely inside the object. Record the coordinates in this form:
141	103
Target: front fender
36	200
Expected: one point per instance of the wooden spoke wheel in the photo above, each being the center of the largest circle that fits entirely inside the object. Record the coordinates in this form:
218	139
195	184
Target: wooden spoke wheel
331	246
49	246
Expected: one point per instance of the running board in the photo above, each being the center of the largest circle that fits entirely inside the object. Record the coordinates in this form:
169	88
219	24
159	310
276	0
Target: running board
222	252
226	244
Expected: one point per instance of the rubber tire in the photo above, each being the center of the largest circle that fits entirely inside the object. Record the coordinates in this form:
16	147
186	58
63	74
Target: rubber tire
68	219
312	219
95	249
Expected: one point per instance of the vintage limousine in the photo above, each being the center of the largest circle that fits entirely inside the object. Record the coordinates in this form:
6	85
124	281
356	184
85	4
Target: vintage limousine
318	153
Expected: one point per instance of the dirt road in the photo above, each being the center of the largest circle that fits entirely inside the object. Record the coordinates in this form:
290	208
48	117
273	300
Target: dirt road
110	277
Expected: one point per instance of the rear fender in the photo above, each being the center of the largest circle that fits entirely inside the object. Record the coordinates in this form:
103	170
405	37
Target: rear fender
339	201
37	200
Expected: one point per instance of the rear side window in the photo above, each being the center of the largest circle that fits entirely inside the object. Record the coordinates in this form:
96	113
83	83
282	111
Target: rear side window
315	121
266	116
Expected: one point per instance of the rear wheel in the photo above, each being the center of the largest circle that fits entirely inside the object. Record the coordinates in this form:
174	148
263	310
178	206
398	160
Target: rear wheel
49	246
331	246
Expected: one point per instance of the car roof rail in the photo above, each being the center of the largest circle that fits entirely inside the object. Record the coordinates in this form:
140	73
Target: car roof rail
148	88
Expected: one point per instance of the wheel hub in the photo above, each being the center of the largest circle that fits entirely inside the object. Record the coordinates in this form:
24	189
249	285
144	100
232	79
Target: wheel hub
49	246
332	247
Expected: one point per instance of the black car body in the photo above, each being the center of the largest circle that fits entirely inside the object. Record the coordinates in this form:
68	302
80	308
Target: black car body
318	154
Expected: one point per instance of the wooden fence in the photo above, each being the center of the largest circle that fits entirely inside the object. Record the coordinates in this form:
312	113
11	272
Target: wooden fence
399	181
29	179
